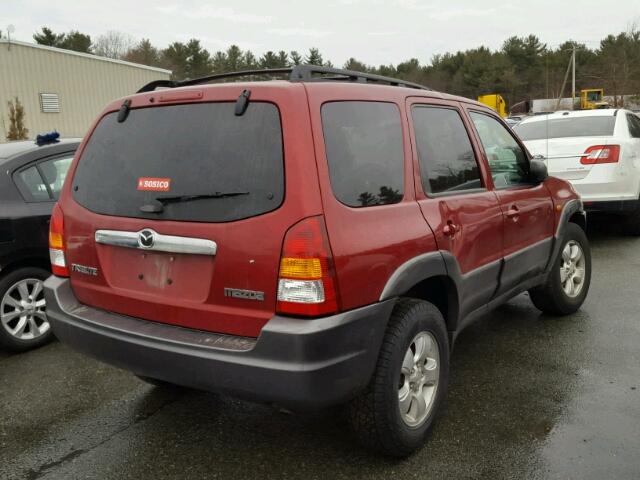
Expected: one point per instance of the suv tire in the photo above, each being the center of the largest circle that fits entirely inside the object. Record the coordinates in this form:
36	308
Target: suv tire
376	415
18	285
574	260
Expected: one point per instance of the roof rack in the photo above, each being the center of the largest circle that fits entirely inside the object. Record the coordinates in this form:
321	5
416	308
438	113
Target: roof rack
298	73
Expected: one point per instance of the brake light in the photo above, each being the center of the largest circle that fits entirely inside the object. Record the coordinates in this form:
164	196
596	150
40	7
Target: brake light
306	283
601	154
56	243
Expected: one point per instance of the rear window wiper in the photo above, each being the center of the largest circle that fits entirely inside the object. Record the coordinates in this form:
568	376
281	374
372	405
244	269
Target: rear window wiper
189	198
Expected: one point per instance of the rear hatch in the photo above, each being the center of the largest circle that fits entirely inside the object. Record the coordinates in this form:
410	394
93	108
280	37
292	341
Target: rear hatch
563	140
182	208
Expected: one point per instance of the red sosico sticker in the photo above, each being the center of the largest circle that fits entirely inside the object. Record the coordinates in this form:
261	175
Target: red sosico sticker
152	184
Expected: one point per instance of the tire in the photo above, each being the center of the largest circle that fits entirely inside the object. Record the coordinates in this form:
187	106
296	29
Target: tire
375	415
632	223
35	329
551	297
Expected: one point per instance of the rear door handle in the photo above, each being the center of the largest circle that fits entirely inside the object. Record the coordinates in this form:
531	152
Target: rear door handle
513	212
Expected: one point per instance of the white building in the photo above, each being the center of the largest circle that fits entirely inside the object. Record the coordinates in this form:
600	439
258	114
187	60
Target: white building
61	89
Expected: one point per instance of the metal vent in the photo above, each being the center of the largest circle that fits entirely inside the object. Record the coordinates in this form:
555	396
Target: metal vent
49	103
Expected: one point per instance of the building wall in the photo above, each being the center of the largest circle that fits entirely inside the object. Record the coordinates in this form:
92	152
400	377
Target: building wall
84	84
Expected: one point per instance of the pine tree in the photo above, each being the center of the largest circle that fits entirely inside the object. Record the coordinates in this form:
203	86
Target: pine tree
144	53
76	41
283	59
269	60
234	59
249	60
314	57
296	58
219	62
47	37
174	57
198	60
353	64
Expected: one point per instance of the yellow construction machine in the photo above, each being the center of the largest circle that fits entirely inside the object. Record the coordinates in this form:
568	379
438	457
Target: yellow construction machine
592	99
495	101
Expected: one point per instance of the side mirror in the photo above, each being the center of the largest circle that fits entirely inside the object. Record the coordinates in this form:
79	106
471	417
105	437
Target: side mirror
538	171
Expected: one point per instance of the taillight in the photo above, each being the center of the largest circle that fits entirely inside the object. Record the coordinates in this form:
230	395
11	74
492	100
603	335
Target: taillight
306	283
56	243
601	154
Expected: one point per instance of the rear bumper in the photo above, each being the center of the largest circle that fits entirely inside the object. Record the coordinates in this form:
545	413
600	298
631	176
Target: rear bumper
608	183
612	206
298	363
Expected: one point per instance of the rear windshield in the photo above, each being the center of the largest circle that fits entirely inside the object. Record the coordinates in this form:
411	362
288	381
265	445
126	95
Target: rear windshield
567	127
164	158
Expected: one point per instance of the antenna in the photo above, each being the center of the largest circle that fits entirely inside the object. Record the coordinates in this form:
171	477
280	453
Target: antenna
10	30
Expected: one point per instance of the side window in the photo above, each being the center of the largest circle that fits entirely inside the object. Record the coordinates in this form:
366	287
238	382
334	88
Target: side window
54	172
32	185
634	125
363	141
508	162
447	161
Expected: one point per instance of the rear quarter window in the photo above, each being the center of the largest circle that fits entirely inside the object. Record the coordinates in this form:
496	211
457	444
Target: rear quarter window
363	142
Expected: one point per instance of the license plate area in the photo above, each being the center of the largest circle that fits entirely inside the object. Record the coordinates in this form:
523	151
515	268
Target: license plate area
165	275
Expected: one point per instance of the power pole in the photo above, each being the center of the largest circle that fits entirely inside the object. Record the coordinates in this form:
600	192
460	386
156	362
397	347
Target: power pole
573	89
546	62
564	83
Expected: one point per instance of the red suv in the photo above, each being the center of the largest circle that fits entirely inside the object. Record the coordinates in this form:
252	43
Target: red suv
306	242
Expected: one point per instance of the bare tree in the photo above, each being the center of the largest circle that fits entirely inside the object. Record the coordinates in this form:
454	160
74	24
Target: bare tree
113	44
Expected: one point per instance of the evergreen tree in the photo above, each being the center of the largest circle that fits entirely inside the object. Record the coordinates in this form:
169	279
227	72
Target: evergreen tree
47	37
283	59
235	59
269	60
249	61
522	69
353	64
296	58
219	62
76	41
174	57
198	60
314	57
144	53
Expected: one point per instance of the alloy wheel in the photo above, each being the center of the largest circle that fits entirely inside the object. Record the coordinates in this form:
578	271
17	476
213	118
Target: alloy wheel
419	377
572	269
22	310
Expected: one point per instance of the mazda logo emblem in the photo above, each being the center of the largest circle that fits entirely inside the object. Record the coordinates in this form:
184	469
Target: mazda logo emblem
146	238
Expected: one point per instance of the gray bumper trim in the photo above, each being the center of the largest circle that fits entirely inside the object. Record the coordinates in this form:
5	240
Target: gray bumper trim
298	363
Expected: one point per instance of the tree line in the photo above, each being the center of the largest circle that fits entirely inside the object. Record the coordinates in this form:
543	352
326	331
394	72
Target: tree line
523	68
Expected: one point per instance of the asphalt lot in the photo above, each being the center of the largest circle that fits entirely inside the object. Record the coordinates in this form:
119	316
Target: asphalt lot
530	397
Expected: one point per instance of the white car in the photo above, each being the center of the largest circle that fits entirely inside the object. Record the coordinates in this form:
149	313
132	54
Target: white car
598	151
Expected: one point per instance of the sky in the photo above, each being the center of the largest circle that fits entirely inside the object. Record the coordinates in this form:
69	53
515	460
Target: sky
373	31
